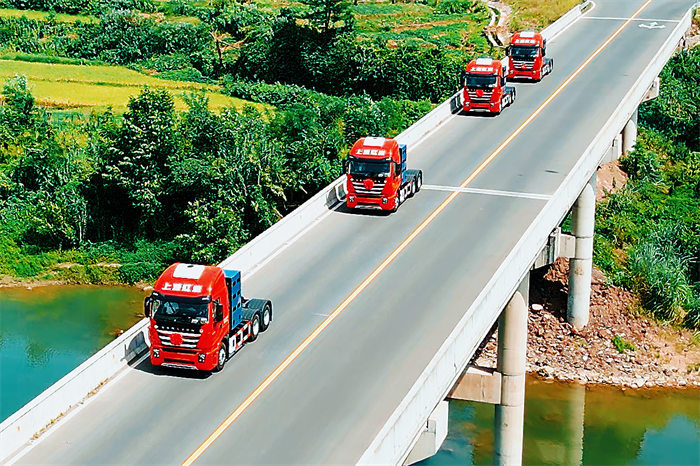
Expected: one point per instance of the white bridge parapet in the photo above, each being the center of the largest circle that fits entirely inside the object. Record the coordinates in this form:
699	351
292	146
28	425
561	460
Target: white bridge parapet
395	440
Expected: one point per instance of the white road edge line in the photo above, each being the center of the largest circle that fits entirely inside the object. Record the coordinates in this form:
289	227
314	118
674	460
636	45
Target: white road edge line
79	408
573	22
634	19
489	192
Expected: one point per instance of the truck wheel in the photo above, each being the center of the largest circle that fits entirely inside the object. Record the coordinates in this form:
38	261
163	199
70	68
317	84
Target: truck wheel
397	201
254	327
266	317
413	188
419	181
221	362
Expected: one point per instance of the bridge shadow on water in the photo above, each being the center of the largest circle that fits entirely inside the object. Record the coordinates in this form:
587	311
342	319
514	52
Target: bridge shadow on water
159	371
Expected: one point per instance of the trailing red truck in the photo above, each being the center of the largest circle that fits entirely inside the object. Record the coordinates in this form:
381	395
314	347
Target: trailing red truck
526	56
485	89
377	175
198	318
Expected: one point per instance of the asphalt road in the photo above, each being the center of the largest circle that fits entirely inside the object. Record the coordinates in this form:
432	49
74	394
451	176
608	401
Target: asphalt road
329	404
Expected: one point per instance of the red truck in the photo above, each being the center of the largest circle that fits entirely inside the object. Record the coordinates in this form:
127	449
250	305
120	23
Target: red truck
485	87
526	56
377	175
198	318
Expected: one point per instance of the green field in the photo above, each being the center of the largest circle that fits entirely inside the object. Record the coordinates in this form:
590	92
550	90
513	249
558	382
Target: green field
39	15
99	87
538	14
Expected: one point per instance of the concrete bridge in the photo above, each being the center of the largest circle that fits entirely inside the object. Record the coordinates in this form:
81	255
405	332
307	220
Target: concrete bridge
377	317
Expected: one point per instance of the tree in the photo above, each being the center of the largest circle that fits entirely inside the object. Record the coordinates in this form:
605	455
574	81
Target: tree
326	14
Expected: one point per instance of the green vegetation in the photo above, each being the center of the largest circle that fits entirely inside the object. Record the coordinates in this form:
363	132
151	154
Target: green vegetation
622	345
538	14
42	15
648	234
69	86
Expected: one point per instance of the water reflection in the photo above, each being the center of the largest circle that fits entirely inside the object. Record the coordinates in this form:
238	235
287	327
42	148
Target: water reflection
573	424
48	331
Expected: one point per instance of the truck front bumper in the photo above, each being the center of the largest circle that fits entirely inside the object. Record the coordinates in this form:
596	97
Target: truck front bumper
177	358
384	203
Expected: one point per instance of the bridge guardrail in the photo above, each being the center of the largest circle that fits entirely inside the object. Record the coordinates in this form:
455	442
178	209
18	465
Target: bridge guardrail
396	438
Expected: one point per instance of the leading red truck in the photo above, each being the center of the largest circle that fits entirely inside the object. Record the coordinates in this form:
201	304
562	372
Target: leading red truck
377	176
199	319
527	56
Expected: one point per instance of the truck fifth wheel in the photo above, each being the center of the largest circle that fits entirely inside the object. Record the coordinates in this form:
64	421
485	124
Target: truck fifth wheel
377	175
198	318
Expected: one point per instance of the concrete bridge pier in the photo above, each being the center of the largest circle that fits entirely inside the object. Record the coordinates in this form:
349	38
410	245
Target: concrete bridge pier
629	134
581	265
510	412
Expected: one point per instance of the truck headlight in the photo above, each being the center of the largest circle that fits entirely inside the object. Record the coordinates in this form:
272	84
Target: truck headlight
156	353
384	200
352	198
201	357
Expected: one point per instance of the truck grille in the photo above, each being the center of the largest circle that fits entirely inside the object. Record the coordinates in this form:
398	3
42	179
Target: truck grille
523	64
189	340
376	190
485	98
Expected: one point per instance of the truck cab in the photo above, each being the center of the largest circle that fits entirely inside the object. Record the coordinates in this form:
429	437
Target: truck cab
527	56
377	175
198	317
485	89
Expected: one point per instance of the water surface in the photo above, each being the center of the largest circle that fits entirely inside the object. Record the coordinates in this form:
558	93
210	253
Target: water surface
48	331
573	424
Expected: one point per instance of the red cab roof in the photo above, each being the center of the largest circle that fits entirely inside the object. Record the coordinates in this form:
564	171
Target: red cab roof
527	38
374	148
187	280
484	66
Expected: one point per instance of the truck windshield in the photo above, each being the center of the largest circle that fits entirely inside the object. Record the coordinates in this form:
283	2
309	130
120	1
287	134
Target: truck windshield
480	81
520	51
369	167
172	309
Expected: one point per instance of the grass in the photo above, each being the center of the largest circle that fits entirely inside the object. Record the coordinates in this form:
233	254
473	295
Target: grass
41	15
538	14
621	345
64	18
86	87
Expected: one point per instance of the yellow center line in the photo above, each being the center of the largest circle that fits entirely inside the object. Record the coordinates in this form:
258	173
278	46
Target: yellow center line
304	344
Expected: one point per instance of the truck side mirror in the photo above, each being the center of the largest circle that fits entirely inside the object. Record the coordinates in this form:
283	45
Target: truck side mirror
346	165
147	306
218	312
507	50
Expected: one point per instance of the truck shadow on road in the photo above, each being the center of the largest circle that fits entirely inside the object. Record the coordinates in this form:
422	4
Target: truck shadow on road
366	212
159	371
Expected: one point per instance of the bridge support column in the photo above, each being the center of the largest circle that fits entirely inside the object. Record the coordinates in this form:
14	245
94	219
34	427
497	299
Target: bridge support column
629	134
580	266
512	353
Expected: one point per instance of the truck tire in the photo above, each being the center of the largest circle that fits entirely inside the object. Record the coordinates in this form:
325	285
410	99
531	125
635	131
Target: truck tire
397	201
266	318
254	327
419	180
221	358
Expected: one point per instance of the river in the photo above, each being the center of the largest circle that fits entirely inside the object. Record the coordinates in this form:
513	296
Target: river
48	331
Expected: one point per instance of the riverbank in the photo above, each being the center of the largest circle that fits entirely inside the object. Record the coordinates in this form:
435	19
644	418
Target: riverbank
620	346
